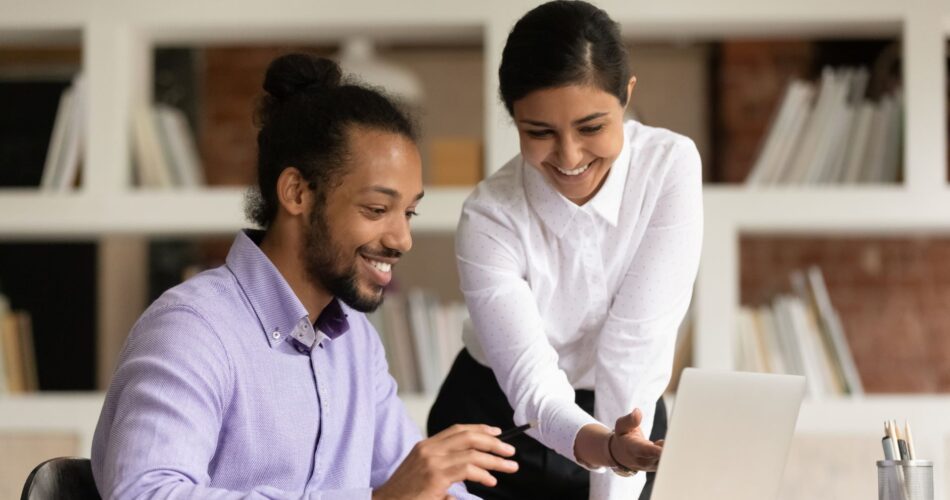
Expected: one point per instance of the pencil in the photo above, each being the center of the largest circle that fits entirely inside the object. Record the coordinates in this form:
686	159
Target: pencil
910	440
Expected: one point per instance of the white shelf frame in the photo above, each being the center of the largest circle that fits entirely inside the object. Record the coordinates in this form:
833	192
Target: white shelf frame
116	33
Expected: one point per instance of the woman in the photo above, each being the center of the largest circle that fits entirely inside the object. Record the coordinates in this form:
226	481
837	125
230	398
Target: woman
577	261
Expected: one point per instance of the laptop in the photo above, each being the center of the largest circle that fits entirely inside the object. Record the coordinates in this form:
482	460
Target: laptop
728	436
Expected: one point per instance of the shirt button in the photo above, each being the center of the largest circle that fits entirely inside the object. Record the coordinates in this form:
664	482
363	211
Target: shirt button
276	335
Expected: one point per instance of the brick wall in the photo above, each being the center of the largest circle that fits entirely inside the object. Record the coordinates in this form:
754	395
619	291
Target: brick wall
893	296
751	81
231	79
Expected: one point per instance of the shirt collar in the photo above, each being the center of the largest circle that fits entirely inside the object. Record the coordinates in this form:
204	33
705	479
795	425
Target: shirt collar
554	210
281	314
557	212
606	203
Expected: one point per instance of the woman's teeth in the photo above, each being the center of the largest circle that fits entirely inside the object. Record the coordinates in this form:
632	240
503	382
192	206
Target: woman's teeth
577	171
382	266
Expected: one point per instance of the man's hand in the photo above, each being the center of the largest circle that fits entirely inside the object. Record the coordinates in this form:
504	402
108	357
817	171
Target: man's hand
459	453
631	448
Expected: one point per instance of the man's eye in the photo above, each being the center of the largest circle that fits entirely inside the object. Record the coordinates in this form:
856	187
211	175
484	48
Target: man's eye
411	213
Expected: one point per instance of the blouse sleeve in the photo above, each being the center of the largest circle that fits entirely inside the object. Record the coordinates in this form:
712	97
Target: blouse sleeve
635	349
510	329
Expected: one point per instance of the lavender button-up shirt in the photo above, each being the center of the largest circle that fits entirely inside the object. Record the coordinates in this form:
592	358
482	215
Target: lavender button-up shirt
225	390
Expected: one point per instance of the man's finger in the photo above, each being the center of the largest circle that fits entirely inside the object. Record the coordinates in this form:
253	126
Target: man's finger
460	428
468	467
480	460
472	439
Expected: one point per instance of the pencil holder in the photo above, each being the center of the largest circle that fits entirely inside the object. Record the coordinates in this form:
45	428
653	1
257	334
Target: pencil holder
905	480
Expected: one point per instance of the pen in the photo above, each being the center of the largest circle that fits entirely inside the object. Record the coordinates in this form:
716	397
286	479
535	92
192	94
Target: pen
516	431
901	443
886	442
902	448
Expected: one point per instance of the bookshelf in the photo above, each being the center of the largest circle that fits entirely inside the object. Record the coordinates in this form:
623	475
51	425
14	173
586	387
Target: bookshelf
118	37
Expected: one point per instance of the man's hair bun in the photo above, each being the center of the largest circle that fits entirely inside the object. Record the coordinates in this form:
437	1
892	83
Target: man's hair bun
293	74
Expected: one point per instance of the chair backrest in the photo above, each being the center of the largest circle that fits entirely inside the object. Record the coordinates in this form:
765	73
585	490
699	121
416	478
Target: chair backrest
62	479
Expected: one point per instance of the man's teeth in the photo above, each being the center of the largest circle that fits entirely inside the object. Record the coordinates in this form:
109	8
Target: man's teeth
577	171
382	266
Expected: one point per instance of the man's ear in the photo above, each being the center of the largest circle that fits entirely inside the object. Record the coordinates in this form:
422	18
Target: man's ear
293	192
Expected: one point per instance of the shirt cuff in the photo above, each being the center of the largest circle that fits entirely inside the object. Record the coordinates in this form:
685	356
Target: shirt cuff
562	428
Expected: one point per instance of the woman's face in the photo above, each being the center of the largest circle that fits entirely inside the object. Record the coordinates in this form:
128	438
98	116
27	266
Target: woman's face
572	134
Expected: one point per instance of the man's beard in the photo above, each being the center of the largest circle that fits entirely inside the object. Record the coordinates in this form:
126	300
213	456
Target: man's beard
323	259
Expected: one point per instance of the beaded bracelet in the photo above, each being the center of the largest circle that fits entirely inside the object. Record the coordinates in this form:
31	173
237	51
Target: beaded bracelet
619	469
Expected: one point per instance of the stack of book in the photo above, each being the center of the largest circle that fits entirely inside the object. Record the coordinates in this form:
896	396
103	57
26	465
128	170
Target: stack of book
799	333
164	149
421	336
17	356
832	134
65	145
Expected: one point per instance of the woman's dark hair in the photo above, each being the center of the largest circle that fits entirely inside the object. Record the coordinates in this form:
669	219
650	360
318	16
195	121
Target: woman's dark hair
563	43
304	116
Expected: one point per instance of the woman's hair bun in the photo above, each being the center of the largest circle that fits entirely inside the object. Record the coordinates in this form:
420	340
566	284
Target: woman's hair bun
294	73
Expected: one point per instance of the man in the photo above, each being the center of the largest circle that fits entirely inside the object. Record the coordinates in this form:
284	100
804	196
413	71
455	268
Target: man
262	378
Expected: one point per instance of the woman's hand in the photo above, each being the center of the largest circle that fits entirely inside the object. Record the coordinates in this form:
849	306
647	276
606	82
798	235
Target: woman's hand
631	448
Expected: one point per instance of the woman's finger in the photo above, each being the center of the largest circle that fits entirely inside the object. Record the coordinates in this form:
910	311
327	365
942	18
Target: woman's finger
628	423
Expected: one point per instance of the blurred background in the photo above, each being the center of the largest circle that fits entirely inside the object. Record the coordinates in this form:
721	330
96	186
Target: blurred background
127	143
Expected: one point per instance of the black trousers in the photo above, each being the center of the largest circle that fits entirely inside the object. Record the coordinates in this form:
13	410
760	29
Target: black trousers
470	394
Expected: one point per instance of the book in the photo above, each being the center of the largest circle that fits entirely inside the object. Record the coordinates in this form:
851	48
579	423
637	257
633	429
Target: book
799	333
820	348
71	154
151	164
824	162
27	351
4	311
855	97
777	131
750	349
51	167
811	144
832	134
12	353
765	323
891	151
857	143
422	337
64	155
835	333
423	340
399	339
791	140
179	147
786	337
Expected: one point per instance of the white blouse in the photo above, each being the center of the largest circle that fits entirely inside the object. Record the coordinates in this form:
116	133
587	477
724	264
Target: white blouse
566	297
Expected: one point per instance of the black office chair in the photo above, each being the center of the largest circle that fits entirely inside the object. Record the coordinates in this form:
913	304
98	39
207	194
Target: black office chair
61	478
